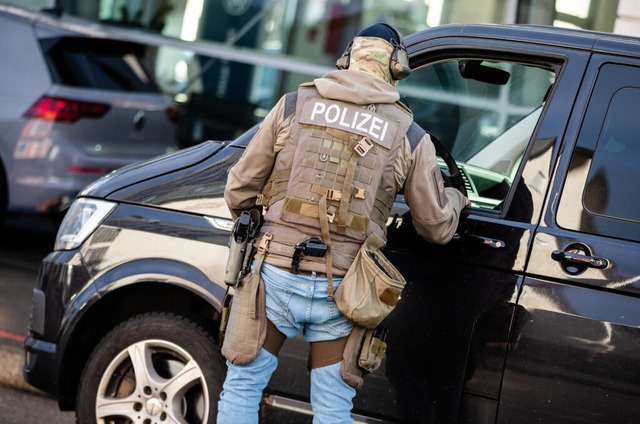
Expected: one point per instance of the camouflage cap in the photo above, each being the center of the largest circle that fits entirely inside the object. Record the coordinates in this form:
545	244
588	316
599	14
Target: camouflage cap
372	56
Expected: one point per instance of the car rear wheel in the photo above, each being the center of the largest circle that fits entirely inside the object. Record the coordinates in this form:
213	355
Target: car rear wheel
153	368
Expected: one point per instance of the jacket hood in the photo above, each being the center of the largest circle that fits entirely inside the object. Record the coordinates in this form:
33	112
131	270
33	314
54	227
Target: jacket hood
356	87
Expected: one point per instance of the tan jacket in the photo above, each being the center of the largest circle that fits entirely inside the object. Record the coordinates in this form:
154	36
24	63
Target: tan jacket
434	209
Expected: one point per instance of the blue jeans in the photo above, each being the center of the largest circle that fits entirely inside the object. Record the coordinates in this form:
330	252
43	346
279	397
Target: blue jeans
296	304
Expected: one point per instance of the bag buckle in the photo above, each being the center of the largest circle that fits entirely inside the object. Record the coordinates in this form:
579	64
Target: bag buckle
358	193
363	146
334	195
264	243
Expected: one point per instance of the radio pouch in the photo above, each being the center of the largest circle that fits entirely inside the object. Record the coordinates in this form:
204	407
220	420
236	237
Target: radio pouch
373	349
362	355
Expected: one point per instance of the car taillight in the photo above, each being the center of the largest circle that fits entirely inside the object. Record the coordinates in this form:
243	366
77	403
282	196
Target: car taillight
65	110
86	170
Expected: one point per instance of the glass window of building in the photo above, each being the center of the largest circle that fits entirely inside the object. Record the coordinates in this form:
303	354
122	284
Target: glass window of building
286	42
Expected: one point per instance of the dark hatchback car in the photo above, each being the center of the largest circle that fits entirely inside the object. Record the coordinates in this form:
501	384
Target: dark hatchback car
530	314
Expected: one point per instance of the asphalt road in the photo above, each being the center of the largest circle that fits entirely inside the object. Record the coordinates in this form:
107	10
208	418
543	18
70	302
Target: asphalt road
22	407
24	242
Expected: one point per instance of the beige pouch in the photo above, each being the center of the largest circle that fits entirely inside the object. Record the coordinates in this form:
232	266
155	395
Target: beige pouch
247	326
371	287
362	355
372	352
350	370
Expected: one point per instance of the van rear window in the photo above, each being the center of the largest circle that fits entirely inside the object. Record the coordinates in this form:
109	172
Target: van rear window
100	64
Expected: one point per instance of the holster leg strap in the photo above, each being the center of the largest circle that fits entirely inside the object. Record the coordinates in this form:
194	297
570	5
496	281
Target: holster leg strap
323	354
274	339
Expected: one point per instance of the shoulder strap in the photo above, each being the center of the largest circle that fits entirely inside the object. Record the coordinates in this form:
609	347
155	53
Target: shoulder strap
415	134
290	101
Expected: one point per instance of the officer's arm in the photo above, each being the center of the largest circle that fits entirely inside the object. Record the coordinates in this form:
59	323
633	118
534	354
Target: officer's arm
247	177
435	209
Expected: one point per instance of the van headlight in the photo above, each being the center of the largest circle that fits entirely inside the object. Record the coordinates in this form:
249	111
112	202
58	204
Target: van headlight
82	218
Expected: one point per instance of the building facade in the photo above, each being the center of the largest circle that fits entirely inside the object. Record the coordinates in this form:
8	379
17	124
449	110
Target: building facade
221	97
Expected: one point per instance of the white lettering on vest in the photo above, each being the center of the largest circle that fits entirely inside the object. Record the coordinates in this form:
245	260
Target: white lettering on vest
348	117
365	118
344	114
318	107
375	126
384	130
335	117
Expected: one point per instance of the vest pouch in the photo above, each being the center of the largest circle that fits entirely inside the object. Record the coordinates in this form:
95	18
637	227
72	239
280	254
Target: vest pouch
371	287
247	326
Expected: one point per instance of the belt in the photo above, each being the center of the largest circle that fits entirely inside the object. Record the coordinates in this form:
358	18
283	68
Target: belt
303	272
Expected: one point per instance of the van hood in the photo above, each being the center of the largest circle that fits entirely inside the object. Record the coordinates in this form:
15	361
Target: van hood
107	186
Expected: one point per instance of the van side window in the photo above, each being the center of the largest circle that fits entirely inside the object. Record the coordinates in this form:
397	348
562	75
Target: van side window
611	188
485	112
601	190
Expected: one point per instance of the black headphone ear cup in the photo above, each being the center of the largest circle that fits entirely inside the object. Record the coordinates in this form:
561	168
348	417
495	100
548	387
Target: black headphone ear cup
399	64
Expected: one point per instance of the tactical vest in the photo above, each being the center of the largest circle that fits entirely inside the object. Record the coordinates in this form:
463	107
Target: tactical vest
340	157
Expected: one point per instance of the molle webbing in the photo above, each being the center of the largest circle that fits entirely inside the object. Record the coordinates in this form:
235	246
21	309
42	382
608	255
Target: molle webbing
332	156
274	189
342	151
379	214
334	177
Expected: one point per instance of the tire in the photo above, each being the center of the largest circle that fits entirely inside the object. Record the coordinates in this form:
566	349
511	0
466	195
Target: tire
116	390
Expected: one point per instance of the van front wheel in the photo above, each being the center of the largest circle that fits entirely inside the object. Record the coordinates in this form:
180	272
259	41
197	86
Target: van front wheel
152	368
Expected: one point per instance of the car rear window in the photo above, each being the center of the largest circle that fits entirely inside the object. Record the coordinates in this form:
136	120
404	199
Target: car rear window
100	64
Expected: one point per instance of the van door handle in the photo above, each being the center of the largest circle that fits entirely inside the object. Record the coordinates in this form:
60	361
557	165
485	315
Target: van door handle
577	258
494	243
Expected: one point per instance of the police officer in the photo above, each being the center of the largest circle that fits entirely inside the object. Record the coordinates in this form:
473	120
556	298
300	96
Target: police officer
326	165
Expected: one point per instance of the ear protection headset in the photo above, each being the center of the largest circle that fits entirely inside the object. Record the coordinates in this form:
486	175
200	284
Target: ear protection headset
398	64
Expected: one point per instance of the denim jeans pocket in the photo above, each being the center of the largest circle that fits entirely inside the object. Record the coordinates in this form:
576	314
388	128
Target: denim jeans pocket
278	298
337	324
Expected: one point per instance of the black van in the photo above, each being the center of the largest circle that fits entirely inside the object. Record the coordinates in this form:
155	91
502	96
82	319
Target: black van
530	314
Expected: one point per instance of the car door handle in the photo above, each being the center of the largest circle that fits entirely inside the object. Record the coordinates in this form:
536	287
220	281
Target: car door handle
577	258
494	243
